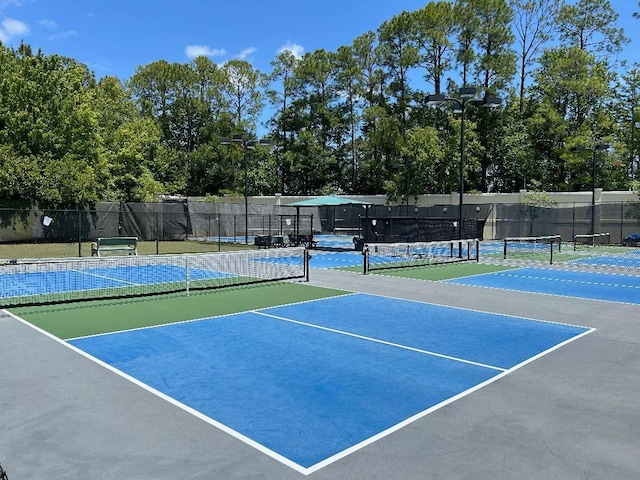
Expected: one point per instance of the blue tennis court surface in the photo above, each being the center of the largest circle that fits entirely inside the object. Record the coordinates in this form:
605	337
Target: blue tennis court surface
630	259
324	260
307	382
334	241
335	260
597	286
40	283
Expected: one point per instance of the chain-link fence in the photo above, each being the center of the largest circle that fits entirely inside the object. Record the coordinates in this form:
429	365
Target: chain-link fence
485	221
616	219
189	227
168	227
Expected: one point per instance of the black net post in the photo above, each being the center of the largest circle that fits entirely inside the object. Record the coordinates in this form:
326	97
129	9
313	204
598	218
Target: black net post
219	219
365	260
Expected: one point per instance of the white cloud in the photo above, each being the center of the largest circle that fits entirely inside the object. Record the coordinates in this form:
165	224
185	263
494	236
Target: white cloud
246	52
11	27
50	24
194	51
61	35
14	27
295	49
6	3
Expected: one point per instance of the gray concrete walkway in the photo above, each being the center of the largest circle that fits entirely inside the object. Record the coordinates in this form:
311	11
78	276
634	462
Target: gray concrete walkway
572	414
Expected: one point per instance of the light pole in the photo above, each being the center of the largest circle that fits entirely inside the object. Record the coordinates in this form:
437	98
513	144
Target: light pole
579	149
246	145
466	97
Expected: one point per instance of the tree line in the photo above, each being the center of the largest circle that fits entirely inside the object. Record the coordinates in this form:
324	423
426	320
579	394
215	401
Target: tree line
352	121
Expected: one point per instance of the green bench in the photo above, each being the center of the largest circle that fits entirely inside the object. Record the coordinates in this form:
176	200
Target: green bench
118	245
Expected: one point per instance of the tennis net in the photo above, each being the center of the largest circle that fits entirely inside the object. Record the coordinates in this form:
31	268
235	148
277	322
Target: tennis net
35	282
540	248
591	240
381	256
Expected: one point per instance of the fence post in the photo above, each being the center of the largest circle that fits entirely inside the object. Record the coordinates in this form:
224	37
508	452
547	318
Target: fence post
621	222
79	233
156	228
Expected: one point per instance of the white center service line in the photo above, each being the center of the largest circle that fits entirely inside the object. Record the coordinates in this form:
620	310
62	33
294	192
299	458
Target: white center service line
383	342
105	277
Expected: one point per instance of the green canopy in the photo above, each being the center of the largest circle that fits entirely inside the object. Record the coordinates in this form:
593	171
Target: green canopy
326	201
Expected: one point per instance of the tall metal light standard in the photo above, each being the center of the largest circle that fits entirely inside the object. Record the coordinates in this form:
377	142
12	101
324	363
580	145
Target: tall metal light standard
246	145
466	97
579	149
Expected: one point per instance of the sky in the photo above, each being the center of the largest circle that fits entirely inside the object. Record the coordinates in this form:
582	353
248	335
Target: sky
114	37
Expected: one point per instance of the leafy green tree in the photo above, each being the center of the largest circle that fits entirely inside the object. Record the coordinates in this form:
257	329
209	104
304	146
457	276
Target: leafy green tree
433	30
515	163
348	81
534	26
48	119
398	53
496	59
626	108
423	160
371	87
570	91
590	25
468	24
242	92
153	89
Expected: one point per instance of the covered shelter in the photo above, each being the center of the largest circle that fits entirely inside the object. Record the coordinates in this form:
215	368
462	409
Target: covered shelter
328	201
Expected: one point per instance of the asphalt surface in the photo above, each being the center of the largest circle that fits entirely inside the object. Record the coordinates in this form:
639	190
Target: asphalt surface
571	414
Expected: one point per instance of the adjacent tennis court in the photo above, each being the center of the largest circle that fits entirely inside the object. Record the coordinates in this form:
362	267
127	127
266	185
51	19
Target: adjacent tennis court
345	376
630	258
51	281
612	287
309	382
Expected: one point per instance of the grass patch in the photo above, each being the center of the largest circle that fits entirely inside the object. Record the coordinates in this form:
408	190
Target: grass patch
443	271
91	318
68	250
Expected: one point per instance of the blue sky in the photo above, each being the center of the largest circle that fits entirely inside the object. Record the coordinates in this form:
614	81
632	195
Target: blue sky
113	37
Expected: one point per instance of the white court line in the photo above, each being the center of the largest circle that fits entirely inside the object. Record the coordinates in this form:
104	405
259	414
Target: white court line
171	400
564	280
285	461
433	408
104	277
200	319
383	342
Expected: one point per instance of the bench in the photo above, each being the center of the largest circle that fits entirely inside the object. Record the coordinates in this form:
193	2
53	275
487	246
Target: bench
306	240
128	245
262	241
267	241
